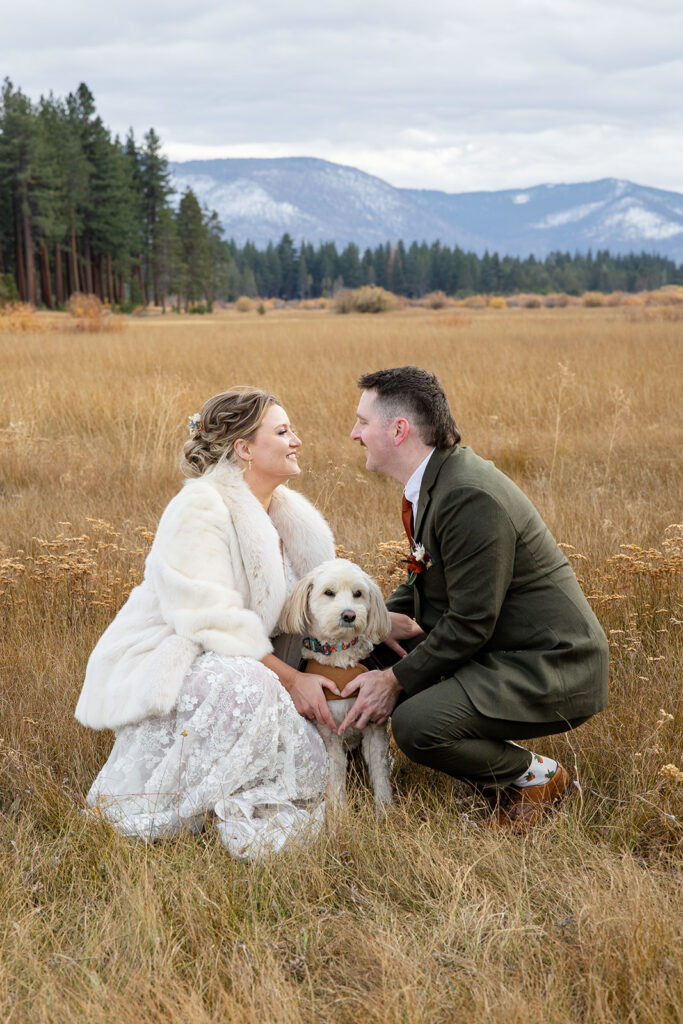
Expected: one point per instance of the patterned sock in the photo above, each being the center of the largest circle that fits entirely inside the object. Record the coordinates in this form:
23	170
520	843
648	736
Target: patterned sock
539	772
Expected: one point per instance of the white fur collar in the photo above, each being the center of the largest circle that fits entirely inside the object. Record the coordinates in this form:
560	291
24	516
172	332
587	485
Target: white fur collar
306	538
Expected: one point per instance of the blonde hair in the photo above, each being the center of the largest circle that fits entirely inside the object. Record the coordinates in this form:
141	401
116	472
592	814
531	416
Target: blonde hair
232	414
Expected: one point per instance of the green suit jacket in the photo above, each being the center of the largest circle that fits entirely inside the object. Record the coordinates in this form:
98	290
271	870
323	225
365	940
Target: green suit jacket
500	604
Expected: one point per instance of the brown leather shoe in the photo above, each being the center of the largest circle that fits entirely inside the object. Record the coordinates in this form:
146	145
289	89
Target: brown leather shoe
516	808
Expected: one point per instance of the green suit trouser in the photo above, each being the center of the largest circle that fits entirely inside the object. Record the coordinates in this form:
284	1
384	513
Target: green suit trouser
440	727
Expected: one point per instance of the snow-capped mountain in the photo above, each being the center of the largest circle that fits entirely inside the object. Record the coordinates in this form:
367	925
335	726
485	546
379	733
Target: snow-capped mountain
318	201
607	214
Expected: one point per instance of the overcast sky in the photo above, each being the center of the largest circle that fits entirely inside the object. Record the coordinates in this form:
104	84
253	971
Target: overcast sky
483	94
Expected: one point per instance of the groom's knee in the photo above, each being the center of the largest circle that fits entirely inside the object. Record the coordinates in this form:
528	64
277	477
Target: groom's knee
413	732
400	727
434	723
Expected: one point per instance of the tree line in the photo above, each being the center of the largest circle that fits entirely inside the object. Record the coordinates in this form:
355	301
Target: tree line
82	211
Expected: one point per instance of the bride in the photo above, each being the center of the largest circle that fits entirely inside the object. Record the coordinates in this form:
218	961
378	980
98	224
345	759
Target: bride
207	717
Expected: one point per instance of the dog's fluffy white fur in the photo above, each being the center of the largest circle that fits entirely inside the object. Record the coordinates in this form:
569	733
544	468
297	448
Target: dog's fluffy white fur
335	602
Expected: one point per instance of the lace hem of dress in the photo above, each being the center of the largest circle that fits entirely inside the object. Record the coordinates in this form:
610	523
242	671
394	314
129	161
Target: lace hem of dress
235	747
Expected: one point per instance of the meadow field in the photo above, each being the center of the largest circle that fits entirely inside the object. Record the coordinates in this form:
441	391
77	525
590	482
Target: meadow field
430	916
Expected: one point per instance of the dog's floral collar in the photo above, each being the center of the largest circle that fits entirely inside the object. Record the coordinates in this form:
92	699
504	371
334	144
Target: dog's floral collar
419	560
311	644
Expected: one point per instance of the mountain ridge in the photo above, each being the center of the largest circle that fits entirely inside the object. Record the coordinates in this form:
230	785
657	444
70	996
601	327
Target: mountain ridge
315	200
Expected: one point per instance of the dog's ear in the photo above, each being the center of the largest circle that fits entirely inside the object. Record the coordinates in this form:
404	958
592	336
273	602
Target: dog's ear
294	617
379	623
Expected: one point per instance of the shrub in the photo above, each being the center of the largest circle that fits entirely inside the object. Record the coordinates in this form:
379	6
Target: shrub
669	295
342	301
87	311
497	302
20	317
554	299
473	302
367	299
88	314
8	289
436	300
525	300
370	299
593	299
243	304
261	309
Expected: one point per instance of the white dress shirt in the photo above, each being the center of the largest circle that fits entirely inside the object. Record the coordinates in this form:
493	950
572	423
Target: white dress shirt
412	488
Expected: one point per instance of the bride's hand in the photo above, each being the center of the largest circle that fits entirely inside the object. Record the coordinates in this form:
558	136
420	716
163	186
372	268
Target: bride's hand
402	628
309	699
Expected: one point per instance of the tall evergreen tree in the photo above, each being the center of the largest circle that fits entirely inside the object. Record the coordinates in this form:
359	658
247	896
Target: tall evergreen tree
86	126
155	189
288	267
217	256
52	194
168	258
349	267
18	167
195	247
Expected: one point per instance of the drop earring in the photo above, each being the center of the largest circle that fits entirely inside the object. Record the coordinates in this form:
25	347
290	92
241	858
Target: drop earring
249	463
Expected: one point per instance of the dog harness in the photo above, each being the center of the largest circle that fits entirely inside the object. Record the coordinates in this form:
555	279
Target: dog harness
339	676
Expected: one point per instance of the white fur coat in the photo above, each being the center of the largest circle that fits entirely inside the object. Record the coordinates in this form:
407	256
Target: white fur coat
214	580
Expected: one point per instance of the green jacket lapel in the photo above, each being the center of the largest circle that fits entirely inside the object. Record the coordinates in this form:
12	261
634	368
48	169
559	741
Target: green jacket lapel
432	471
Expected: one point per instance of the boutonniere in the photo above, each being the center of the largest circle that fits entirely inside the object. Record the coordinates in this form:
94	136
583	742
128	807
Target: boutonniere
419	560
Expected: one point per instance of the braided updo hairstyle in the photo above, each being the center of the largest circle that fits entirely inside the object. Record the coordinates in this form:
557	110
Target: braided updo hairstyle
236	413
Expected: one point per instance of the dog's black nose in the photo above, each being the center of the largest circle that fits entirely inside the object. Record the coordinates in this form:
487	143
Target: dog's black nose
348	616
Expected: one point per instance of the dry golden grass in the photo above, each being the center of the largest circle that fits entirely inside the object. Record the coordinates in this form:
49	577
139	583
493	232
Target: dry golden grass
430	916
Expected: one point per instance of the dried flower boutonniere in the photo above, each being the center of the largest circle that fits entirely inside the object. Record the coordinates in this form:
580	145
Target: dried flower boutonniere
419	560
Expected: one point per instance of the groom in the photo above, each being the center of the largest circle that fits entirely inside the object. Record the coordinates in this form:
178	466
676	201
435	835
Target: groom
498	641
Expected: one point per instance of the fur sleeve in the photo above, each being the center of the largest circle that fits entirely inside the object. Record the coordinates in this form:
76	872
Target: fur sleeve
191	570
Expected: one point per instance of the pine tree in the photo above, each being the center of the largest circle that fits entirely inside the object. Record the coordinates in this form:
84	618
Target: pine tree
349	266
218	257
52	191
272	271
86	126
18	167
288	268
195	247
112	230
155	188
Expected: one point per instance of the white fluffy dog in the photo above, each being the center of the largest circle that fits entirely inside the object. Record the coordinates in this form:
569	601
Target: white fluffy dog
341	614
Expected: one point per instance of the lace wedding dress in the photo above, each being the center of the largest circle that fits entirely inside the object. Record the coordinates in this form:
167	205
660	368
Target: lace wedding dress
234	745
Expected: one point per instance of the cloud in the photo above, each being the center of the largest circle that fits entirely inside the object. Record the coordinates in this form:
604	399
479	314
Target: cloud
492	160
507	93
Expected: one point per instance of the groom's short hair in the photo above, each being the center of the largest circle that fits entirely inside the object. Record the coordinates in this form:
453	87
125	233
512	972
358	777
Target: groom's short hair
411	392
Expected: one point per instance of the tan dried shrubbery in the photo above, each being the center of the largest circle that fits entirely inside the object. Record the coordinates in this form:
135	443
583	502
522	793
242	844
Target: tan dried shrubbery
20	317
368	299
437	300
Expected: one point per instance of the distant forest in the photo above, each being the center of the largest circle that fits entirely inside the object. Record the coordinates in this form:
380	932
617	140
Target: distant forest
81	211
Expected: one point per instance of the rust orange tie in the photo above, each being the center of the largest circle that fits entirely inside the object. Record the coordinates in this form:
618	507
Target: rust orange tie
407	517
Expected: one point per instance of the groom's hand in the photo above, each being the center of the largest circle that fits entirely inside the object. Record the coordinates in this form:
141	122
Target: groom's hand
402	628
377	695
